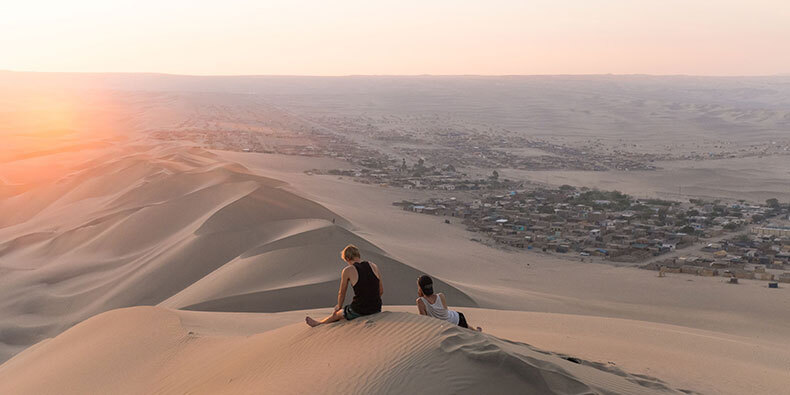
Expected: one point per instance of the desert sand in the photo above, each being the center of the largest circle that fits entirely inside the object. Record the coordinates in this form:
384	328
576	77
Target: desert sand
152	350
173	226
754	179
183	228
530	281
229	251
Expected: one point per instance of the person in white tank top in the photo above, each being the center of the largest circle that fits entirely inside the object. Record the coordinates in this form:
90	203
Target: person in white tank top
435	305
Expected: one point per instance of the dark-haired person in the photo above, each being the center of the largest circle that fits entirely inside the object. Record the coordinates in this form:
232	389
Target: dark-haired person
365	278
435	305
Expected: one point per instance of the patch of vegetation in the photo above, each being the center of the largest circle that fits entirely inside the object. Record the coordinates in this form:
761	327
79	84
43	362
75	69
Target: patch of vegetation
617	200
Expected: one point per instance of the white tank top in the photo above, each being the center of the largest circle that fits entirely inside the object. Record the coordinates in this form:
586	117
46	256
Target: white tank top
437	310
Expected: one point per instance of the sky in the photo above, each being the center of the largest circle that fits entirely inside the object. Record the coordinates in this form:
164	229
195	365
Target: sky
405	37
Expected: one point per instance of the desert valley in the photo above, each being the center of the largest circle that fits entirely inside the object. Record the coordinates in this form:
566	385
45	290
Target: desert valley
169	234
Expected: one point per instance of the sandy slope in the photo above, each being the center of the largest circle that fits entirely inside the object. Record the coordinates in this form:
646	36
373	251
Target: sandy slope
530	281
92	220
178	226
132	224
677	315
153	350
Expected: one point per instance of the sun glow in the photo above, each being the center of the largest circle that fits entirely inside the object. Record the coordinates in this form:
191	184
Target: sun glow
55	124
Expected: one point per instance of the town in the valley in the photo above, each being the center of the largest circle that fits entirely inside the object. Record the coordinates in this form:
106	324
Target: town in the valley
458	164
742	240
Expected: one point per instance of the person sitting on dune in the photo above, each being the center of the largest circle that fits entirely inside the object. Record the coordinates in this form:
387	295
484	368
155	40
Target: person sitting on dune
435	305
365	277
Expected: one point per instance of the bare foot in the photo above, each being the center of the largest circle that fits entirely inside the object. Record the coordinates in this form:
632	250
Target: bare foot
311	322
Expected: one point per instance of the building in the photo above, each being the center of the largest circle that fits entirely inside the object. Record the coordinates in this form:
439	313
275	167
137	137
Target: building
776	231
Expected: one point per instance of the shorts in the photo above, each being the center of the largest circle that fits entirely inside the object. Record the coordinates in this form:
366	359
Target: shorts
349	313
462	321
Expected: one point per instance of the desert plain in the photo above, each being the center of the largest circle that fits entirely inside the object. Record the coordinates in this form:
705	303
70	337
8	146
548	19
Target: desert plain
146	248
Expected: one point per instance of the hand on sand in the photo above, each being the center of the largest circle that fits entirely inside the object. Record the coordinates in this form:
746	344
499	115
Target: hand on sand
338	307
313	323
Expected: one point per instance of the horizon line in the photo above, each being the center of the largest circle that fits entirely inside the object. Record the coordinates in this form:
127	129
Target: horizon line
406	75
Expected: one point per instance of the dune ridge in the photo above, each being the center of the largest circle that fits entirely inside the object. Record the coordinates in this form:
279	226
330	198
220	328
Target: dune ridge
182	228
172	225
157	350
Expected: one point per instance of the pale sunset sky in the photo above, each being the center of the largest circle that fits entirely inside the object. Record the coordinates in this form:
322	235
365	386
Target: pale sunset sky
493	37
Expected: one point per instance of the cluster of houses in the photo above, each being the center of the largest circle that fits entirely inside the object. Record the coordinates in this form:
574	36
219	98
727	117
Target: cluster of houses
496	155
373	170
590	223
762	255
446	141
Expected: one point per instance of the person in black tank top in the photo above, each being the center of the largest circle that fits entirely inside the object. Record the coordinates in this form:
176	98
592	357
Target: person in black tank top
365	278
367	299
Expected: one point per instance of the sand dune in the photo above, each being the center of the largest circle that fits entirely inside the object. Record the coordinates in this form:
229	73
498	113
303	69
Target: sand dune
154	350
514	280
289	272
173	225
182	228
95	217
695	332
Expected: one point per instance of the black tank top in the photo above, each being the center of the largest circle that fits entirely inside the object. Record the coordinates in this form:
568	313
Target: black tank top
367	299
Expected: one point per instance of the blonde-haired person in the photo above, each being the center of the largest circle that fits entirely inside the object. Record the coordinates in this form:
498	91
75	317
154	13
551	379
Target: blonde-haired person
365	278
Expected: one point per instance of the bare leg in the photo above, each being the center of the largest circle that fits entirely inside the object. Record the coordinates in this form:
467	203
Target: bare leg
336	316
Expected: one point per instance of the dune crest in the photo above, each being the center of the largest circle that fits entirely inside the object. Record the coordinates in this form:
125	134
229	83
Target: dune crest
154	350
171	225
